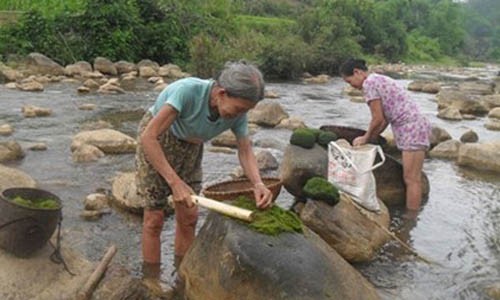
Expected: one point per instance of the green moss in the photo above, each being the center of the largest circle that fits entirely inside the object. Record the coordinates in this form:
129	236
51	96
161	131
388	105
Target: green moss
272	221
326	137
303	137
38	203
318	188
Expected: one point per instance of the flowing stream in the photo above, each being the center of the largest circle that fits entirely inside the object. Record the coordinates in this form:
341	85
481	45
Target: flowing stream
459	227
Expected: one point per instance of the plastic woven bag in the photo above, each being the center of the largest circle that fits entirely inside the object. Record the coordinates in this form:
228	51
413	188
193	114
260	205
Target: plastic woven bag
351	169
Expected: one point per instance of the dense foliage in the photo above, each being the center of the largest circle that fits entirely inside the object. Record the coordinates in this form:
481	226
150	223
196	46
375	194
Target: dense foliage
284	37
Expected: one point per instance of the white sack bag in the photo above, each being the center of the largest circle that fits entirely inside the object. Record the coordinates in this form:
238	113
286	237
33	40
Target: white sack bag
350	168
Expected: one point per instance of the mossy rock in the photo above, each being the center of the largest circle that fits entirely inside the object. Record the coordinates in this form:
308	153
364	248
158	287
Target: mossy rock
271	221
326	137
303	137
318	188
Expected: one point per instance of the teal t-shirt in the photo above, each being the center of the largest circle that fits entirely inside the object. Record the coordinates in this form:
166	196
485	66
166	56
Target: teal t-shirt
190	97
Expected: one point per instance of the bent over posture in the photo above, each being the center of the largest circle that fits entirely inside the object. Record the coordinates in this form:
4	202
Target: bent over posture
390	104
187	113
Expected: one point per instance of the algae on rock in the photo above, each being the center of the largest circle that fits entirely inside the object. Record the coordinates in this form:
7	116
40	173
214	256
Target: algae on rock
271	221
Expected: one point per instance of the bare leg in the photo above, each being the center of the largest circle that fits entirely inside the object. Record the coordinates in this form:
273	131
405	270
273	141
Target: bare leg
151	231
186	219
412	173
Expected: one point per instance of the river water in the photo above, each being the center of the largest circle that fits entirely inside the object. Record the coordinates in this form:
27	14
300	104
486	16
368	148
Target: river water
458	228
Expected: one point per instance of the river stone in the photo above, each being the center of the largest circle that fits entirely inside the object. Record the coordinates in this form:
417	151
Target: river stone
470	136
438	135
10	177
491	101
447	149
450	113
494	113
482	156
105	66
86	153
125	194
38	278
267	114
10	150
41	64
492	124
108	141
292	123
77	69
465	103
6	129
228	260
353	235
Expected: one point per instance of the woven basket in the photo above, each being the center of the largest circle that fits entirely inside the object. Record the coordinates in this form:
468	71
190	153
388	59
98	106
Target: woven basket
229	190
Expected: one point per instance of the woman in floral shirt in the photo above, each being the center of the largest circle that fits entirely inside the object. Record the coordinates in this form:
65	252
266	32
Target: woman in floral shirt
390	104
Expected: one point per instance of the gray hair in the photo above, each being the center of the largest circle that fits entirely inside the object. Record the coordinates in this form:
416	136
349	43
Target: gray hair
242	80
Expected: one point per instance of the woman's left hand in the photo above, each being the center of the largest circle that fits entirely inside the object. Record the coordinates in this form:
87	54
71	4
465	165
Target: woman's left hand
263	196
359	141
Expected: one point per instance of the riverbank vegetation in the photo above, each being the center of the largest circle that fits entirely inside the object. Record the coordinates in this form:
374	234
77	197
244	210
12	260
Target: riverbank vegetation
284	37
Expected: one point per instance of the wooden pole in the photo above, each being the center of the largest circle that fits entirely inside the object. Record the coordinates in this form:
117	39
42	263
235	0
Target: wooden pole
89	287
220	207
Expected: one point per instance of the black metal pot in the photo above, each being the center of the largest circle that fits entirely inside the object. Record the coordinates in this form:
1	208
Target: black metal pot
24	230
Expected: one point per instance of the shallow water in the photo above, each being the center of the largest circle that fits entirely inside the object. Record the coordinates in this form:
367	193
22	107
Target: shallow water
458	228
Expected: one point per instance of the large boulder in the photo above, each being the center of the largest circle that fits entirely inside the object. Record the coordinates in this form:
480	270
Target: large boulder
107	140
10	177
41	64
477	87
300	164
105	66
482	156
228	260
447	150
491	101
351	233
267	114
465	103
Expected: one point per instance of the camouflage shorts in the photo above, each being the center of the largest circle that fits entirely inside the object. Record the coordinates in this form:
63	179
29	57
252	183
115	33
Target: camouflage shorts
185	158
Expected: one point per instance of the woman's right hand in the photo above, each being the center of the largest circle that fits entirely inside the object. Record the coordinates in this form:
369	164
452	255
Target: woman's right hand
181	193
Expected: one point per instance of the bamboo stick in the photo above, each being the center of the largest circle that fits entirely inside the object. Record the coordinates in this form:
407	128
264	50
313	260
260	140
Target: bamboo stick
220	207
88	289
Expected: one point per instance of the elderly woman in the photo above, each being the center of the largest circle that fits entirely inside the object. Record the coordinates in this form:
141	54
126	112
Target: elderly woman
187	113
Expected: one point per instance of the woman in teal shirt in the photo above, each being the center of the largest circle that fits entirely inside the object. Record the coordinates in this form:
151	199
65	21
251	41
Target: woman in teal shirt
187	113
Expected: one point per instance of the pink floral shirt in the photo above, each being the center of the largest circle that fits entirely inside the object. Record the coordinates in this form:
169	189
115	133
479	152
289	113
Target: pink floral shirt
411	129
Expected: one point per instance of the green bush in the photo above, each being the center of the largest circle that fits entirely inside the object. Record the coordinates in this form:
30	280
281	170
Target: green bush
303	137
318	188
421	48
